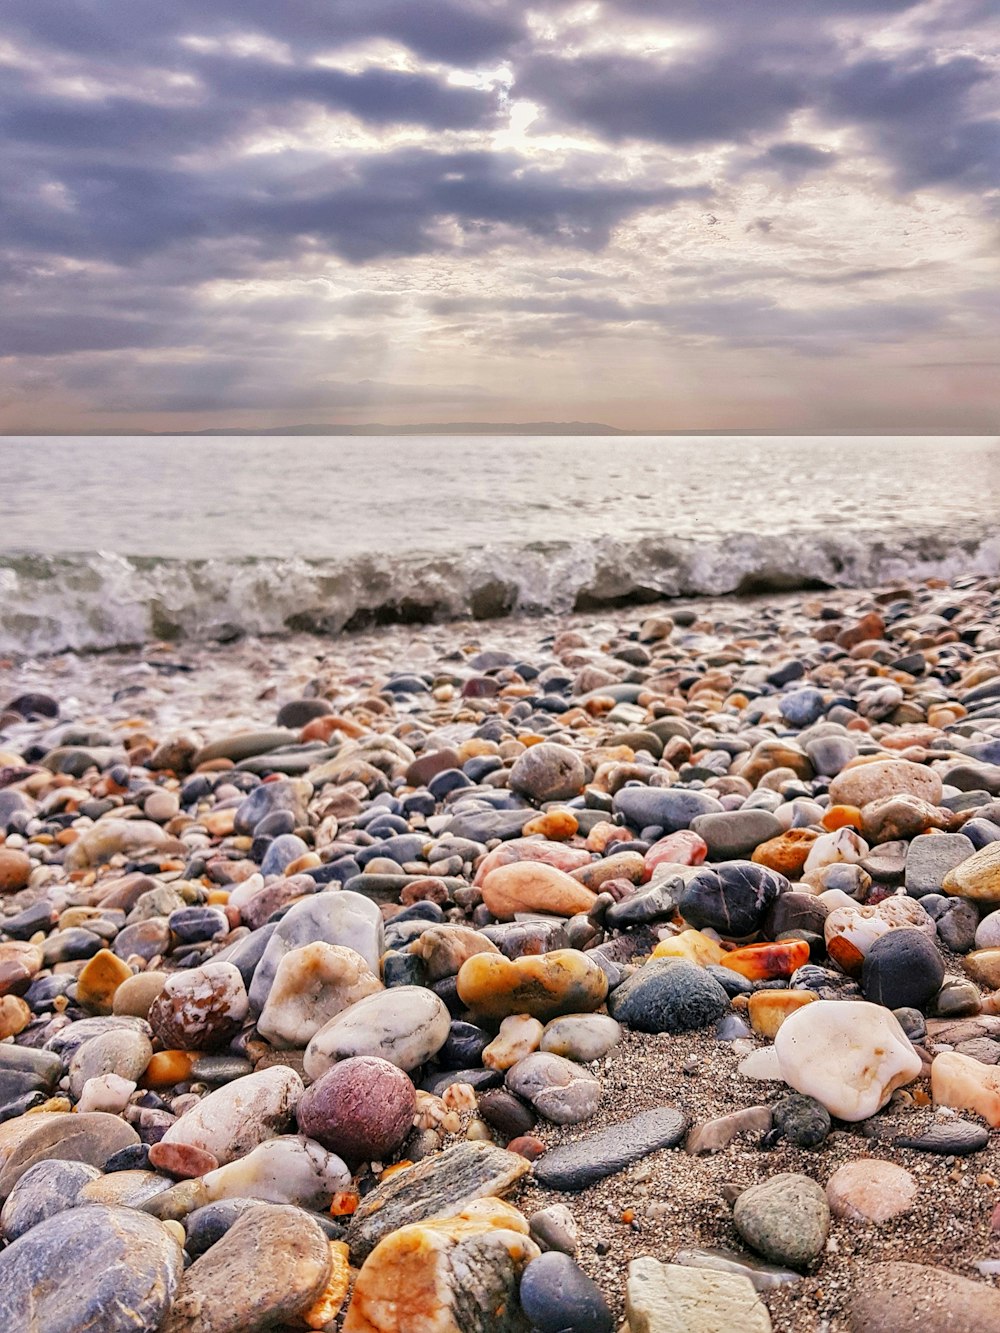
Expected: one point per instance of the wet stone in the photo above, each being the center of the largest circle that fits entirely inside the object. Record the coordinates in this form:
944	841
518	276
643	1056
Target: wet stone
604	1152
118	1272
439	1186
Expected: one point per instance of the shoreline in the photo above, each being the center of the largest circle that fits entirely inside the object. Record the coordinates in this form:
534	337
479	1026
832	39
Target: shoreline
697	662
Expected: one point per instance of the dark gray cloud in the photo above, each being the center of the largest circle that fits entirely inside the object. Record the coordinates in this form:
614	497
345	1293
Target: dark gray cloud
460	32
721	97
148	149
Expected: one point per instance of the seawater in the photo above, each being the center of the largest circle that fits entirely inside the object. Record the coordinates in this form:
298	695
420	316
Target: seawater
118	540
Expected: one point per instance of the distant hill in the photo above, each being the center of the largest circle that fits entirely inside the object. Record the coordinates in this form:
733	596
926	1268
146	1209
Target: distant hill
430	428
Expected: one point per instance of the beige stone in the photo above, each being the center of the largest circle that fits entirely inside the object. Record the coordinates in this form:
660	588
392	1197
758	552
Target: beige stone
874	780
965	1084
978	876
529	886
671	1298
519	1035
313	984
870	1190
851	1057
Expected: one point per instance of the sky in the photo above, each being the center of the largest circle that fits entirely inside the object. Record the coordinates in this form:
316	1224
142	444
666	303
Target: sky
701	214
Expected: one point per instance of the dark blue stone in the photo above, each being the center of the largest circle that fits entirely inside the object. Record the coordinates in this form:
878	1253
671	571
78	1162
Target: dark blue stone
558	1297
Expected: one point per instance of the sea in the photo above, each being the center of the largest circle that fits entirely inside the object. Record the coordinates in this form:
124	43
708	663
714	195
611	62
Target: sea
118	541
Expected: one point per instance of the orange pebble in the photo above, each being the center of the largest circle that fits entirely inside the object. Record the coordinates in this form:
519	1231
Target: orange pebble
344	1203
768	962
218	897
168	1067
841	816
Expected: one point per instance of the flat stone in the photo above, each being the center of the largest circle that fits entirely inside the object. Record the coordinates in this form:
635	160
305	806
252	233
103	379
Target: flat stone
952	1137
674	1298
669	808
762	1276
930	859
576	1165
116	1271
437	1186
712	1135
91	1137
916	1298
46	1189
267	1269
736	833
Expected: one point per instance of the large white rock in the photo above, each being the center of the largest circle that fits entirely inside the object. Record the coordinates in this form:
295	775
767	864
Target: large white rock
849	1055
240	1115
312	985
339	917
290	1169
405	1025
831	848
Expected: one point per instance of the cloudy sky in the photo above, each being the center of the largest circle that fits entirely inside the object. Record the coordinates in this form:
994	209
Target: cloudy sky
654	213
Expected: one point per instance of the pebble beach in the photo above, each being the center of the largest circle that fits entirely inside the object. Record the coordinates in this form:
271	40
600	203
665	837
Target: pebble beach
635	970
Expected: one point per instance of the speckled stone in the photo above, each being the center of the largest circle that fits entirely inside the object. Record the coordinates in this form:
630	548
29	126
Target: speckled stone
118	1271
266	1270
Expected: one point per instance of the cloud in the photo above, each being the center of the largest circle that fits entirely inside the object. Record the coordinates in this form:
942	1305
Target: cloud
207	206
720	98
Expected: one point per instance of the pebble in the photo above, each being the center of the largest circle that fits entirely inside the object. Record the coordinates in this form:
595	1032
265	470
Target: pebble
118	1271
44	1190
918	1298
313	984
548	772
604	1152
558	1297
581	1037
732	898
555	1228
526	886
967	1085
675	1298
199	1009
802	1120
785	1218
267	1269
563	981
848	1057
870	1190
441	1185
558	1089
668	996
361	1109
405	1026
457	1272
231	1121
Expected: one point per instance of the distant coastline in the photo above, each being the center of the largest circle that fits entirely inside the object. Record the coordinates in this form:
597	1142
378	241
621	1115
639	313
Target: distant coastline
508	428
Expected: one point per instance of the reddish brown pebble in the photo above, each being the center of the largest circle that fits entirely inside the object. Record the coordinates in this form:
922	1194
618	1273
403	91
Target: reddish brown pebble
527	1146
181	1159
427	890
361	1109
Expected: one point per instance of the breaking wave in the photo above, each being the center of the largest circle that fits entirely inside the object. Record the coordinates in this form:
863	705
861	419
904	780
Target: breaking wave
103	600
